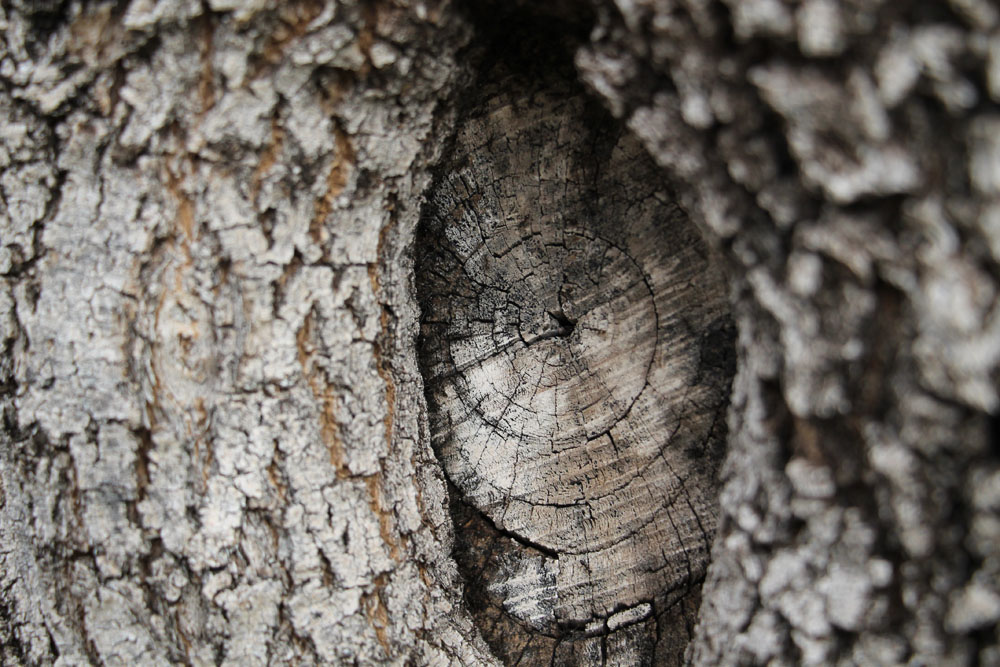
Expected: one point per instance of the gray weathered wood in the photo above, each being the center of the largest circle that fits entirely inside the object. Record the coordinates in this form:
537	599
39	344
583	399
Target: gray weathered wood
575	339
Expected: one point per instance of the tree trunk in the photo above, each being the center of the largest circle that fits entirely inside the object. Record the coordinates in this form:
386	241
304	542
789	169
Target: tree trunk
846	157
216	447
219	308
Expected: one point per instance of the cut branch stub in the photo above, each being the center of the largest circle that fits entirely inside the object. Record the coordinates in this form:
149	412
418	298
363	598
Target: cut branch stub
567	306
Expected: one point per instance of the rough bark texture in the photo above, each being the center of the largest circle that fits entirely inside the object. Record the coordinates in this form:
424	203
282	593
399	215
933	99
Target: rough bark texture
846	156
578	354
215	443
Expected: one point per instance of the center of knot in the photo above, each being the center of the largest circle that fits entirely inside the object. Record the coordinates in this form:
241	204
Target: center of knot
563	327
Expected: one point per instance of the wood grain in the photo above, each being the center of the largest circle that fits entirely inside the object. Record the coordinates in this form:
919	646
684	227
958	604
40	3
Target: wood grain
577	354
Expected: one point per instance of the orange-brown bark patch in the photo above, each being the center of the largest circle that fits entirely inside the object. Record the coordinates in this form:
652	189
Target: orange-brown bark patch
374	485
96	37
376	611
206	81
329	428
336	181
295	19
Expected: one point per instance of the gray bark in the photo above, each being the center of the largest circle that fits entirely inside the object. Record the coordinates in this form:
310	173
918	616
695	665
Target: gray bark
216	447
845	157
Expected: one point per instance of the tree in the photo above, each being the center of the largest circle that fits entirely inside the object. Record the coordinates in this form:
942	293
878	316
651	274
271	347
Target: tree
216	442
844	156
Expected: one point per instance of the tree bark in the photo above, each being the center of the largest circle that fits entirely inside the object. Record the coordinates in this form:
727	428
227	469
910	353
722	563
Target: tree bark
216	443
844	157
215	447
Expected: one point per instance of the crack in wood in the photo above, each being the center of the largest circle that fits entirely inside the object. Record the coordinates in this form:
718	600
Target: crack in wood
564	328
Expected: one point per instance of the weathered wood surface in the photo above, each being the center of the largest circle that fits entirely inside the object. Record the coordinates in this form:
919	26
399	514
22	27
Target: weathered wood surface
577	351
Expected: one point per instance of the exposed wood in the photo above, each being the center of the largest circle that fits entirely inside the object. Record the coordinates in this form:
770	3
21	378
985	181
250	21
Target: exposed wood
577	351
